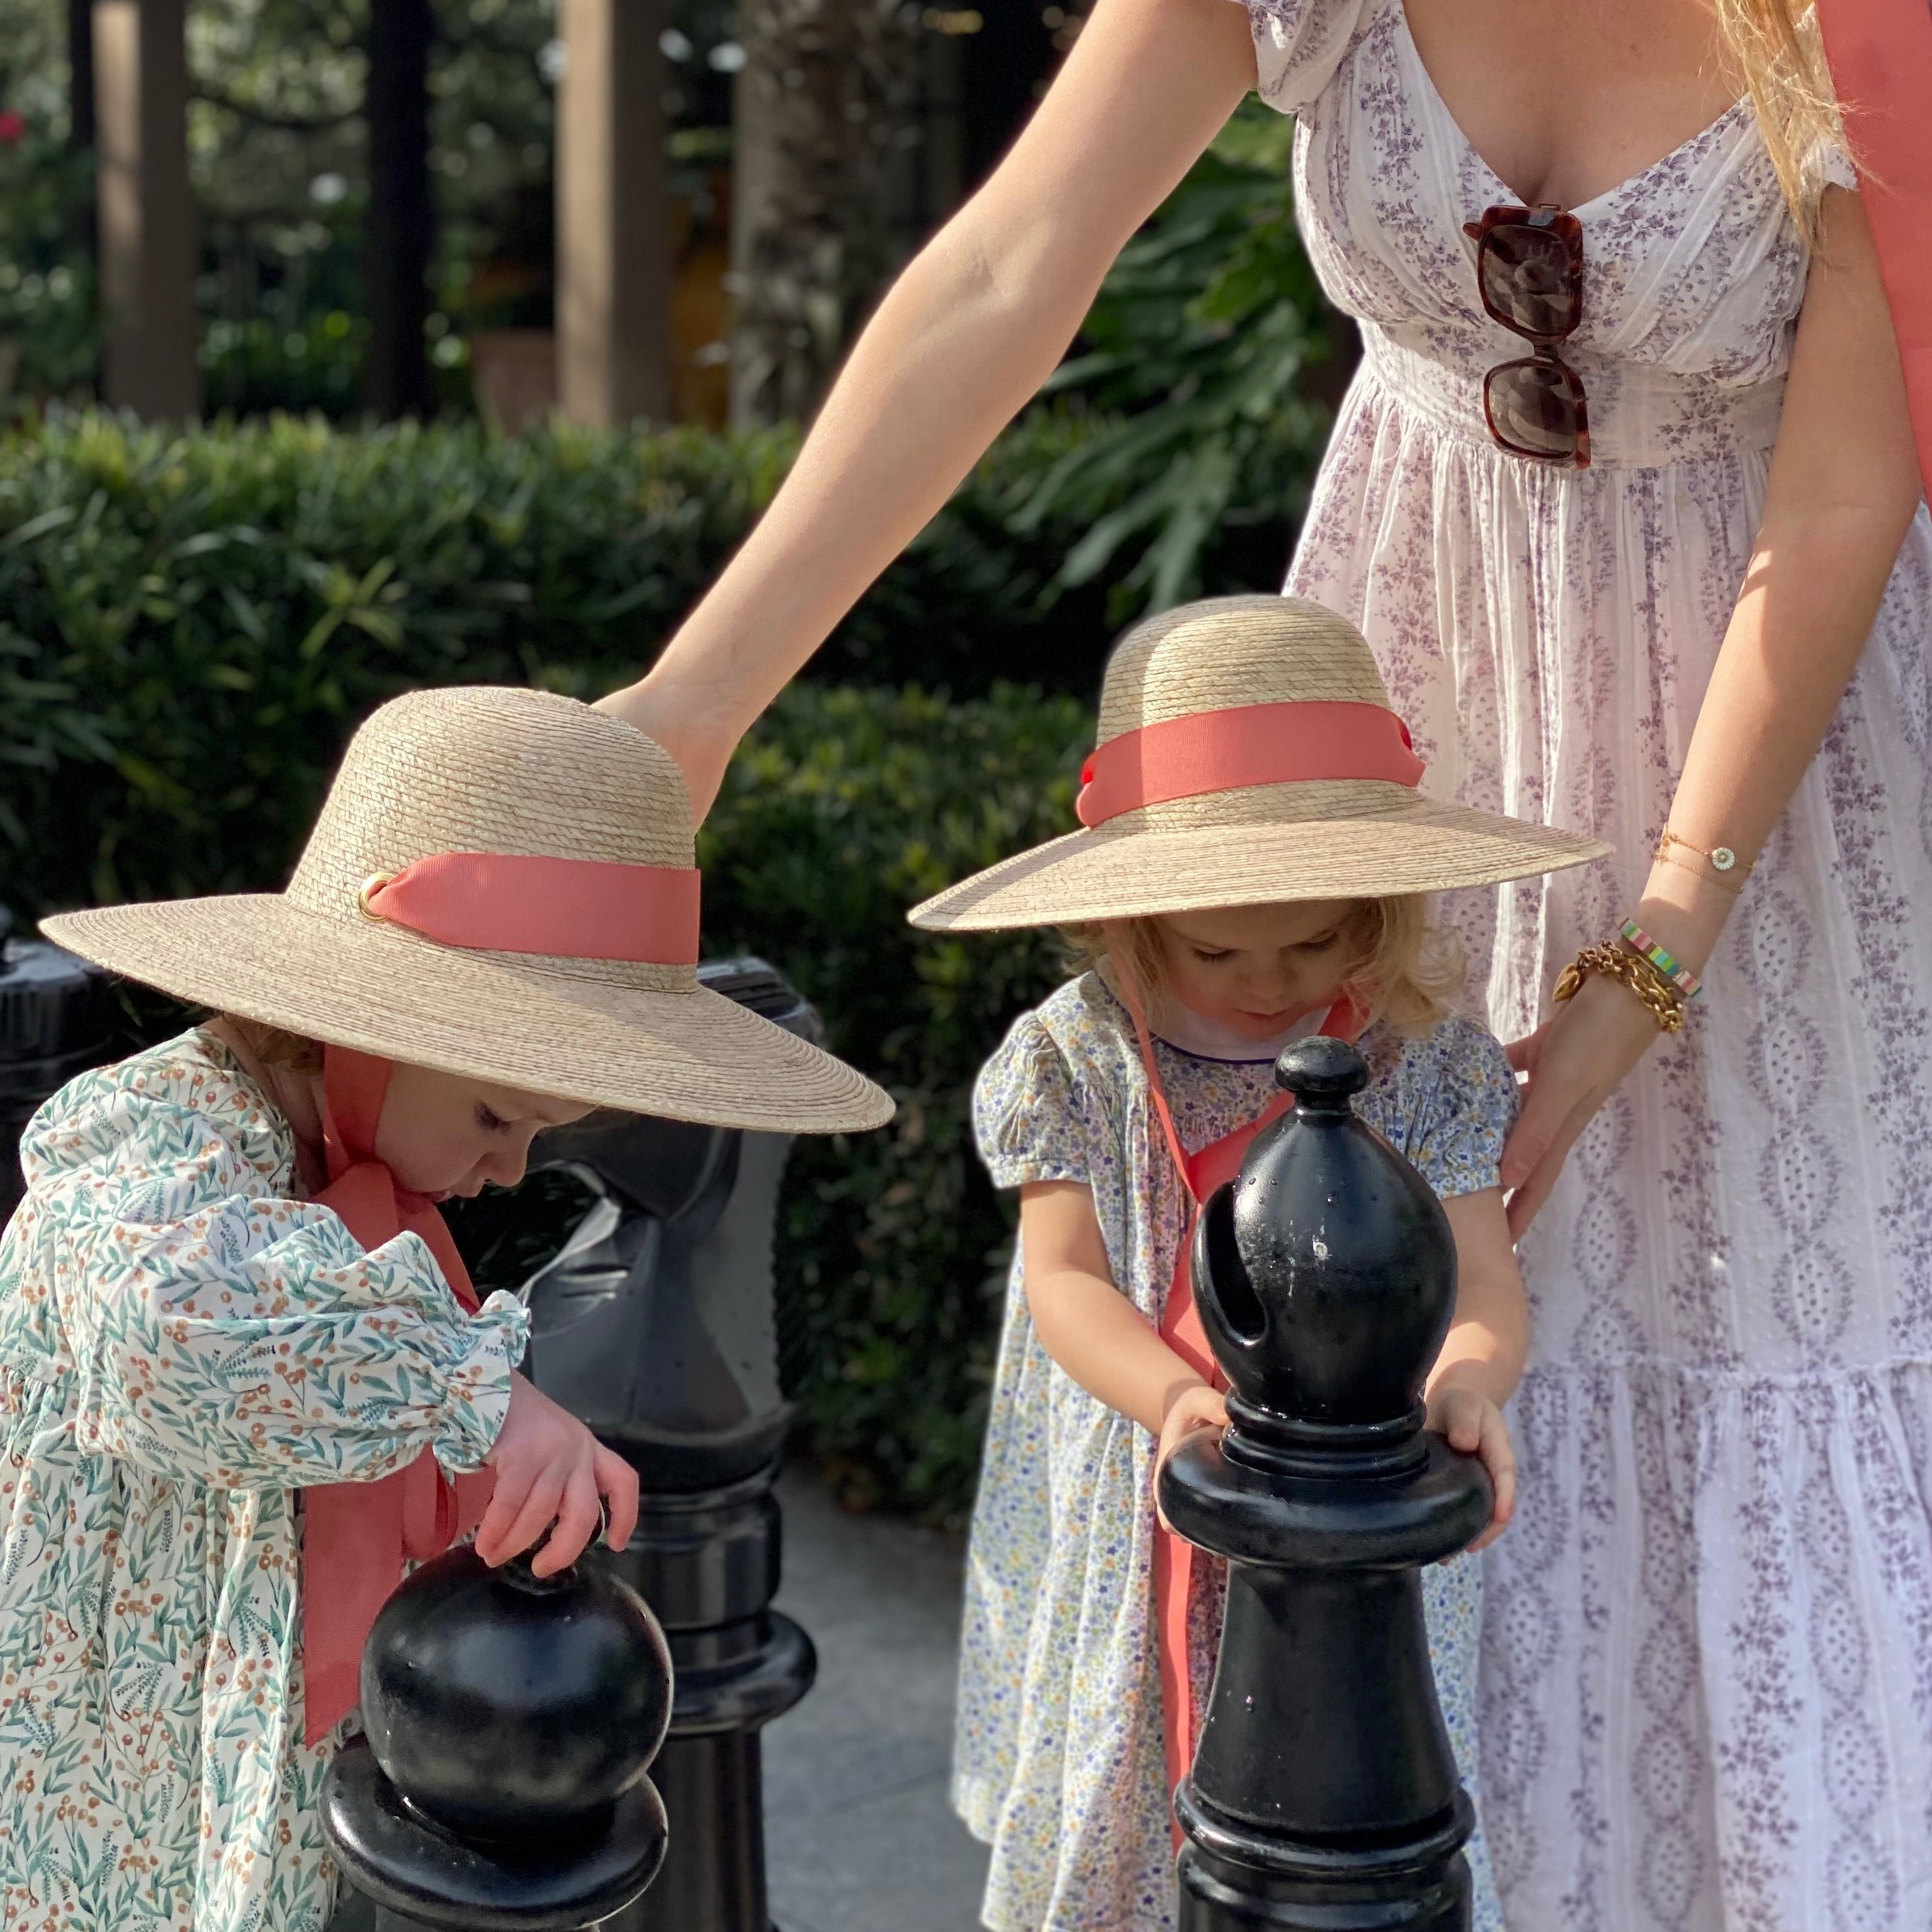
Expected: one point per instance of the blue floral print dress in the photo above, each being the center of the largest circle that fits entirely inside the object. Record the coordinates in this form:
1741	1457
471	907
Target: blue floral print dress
1058	1759
182	1340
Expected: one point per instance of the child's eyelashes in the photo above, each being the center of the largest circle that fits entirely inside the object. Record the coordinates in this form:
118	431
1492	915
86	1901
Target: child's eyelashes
1209	955
489	1119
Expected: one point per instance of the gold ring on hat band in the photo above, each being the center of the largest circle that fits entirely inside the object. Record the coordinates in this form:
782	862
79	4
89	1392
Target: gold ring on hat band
367	890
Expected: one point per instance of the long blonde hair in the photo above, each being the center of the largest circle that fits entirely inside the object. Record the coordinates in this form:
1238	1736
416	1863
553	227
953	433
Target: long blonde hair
1778	51
1404	971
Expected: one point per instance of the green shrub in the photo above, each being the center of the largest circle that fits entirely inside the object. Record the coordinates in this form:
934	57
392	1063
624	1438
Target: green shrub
846	807
189	624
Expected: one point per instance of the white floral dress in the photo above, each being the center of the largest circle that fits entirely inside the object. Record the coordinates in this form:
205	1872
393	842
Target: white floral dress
182	1340
1058	1759
1706	1686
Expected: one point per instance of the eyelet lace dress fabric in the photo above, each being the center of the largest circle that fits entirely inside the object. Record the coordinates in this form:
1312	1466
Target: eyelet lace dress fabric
1057	1762
182	1342
1706	1685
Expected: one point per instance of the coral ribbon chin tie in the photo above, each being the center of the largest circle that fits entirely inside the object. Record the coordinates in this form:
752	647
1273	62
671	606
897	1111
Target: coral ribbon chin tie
1880	55
568	908
356	1536
1248	745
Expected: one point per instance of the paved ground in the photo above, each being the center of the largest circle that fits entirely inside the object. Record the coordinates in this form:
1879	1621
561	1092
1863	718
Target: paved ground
860	1836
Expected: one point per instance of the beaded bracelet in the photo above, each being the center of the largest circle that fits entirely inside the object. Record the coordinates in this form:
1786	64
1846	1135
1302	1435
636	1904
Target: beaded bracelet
1664	1004
1679	975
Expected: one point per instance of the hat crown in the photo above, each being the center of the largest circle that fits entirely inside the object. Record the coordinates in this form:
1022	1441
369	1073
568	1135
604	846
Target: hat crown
487	769
1224	652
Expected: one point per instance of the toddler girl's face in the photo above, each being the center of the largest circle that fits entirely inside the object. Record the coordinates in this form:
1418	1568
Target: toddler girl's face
442	1134
1258	969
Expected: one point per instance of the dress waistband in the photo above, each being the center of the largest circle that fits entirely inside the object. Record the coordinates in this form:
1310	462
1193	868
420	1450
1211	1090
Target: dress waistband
1642	416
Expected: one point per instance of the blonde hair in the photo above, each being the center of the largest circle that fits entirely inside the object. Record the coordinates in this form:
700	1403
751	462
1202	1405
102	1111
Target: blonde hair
1405	972
275	1046
1778	50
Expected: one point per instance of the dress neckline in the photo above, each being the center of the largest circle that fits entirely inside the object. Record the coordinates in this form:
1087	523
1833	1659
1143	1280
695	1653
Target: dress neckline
1434	95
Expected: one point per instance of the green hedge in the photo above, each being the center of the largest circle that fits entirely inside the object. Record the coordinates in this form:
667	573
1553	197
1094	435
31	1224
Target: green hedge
846	807
189	624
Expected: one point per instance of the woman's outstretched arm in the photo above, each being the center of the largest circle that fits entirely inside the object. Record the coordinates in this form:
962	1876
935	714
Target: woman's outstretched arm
1843	485
966	336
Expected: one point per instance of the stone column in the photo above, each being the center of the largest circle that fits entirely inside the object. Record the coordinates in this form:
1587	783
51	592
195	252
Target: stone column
146	208
613	235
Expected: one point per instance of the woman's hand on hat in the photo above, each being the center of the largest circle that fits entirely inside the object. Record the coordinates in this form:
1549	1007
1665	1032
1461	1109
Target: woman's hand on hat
702	753
1575	1062
551	1470
1190	1408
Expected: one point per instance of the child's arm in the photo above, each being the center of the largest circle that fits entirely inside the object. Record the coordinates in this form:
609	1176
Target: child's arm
240	1340
1092	1330
1477	1372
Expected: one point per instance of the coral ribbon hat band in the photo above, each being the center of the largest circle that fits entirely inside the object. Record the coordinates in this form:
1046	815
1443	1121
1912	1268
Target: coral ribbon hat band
1880	55
566	908
1246	745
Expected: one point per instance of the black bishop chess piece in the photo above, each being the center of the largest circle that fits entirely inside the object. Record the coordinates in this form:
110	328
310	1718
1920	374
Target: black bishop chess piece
1324	1793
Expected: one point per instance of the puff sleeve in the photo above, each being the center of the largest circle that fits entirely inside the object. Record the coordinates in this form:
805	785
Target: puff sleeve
1467	1106
1299	45
217	1331
1026	1115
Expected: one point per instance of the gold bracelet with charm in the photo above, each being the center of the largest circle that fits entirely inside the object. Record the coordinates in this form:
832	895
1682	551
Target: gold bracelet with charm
1661	999
1721	860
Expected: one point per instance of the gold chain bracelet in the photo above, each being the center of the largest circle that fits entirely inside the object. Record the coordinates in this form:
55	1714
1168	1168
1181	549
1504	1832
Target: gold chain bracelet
1660	999
1722	861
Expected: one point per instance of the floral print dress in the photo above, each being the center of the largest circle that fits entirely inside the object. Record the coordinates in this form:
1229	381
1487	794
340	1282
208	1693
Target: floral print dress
1057	1760
1706	1680
182	1342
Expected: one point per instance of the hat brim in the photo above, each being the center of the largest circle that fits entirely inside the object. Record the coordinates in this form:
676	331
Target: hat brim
1136	873
689	1056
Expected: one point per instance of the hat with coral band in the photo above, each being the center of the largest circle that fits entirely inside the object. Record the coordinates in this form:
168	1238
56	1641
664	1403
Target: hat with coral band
1247	755
502	884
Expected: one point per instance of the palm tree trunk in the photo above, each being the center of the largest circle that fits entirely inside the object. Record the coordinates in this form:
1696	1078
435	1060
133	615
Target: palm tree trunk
825	116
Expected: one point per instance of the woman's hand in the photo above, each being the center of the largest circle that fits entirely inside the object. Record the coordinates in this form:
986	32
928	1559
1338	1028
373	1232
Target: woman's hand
1475	1426
550	1469
702	755
1575	1061
1191	1408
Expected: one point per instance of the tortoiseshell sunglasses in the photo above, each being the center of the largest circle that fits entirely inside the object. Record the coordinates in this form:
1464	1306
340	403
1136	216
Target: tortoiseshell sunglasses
1529	273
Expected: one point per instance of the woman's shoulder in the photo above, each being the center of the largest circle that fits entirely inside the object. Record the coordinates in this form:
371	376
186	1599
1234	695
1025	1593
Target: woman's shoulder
167	1100
1301	45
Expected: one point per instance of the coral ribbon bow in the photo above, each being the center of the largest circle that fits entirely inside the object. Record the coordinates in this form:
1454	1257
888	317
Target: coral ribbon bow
356	1536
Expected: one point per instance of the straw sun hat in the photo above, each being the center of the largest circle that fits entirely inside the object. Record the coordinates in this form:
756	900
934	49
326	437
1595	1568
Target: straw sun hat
1246	755
550	847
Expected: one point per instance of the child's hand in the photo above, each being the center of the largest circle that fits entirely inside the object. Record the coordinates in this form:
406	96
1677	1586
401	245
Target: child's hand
1474	1425
550	1468
1196	1406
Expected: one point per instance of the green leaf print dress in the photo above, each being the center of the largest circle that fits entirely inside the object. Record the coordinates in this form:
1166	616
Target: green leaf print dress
184	1344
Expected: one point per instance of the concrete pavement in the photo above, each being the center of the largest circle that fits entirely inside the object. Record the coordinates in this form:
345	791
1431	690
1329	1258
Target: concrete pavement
860	1836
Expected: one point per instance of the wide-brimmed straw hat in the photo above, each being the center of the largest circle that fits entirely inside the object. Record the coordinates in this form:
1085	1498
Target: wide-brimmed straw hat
1246	755
501	885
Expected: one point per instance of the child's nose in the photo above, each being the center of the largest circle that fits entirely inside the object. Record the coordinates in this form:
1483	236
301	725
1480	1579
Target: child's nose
507	1164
